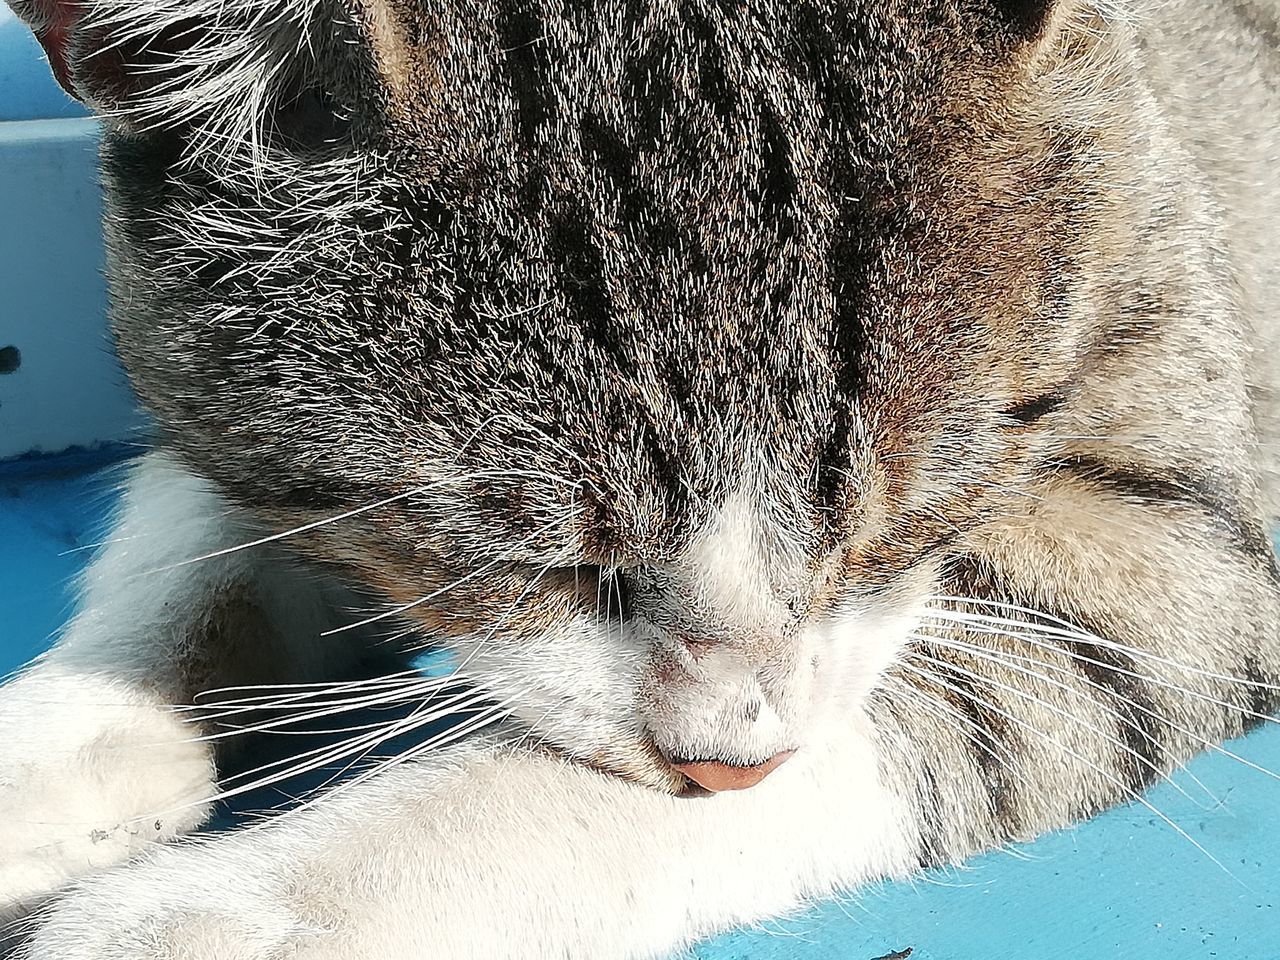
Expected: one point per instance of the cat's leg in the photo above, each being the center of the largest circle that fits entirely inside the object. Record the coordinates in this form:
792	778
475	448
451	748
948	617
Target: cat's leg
94	761
495	851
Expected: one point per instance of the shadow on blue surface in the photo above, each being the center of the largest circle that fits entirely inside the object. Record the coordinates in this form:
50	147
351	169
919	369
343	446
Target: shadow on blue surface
1125	885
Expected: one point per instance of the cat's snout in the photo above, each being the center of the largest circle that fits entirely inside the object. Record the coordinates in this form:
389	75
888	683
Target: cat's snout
717	776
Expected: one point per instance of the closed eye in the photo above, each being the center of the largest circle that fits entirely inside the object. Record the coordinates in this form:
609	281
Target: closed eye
1036	408
312	120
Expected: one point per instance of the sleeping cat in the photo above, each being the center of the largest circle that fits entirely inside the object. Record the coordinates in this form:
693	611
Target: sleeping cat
830	438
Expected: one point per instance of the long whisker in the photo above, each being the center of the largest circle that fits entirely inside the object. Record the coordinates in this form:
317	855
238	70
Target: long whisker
990	657
412	722
980	738
460	667
405	607
420	716
1124	788
441	591
1074	632
336	693
293	531
1006	656
322	756
319	686
352	513
980	625
407	692
1068	715
487	718
464	699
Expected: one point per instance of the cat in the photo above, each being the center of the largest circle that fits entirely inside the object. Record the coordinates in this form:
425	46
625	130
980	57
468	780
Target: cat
830	439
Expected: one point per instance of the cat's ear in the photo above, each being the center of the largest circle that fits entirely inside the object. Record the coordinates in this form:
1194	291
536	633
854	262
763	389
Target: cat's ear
51	22
92	52
216	68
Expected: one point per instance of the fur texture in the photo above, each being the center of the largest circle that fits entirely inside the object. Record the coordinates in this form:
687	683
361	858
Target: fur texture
888	382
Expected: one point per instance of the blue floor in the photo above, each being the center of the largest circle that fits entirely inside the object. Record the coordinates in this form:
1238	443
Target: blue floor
1123	886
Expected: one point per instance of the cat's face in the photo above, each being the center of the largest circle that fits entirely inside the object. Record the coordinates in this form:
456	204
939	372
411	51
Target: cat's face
676	343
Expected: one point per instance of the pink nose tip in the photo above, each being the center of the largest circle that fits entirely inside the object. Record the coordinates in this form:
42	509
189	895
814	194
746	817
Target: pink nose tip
716	776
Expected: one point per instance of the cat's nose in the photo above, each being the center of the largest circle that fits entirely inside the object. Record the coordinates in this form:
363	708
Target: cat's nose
715	775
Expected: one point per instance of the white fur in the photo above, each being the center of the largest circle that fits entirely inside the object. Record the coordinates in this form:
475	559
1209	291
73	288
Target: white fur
730	569
69	794
484	850
748	692
488	852
94	762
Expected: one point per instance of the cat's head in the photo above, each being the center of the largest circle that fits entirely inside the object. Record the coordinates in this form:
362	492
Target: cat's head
664	350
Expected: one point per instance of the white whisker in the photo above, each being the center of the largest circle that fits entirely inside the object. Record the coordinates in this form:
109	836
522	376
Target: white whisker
1074	632
990	657
983	625
1124	788
1004	655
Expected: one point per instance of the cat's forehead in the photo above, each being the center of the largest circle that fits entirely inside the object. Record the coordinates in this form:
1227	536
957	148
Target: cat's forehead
459	65
648	211
647	247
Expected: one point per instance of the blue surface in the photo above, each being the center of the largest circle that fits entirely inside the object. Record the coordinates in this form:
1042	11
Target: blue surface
1124	885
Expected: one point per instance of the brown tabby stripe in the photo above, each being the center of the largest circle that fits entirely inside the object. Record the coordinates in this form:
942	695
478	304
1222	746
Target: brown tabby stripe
527	71
1139	320
1261	698
1111	674
1033	409
987	736
933	847
1148	485
894	712
1260	21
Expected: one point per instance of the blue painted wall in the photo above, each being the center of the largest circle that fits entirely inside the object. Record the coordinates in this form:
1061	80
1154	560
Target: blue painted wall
68	390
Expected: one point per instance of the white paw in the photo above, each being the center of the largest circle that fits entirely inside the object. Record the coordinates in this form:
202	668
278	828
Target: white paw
176	904
90	775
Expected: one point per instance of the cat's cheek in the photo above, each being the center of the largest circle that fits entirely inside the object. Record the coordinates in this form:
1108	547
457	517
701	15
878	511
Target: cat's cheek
849	654
574	686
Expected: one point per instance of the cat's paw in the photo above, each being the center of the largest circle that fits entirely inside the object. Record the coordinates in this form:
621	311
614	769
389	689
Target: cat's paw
90	775
171	907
